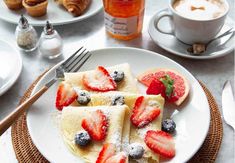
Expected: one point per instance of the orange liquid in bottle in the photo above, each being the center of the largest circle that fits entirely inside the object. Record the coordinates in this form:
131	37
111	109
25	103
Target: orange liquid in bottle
124	18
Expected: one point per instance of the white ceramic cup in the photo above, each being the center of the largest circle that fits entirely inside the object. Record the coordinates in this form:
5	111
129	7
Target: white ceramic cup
191	31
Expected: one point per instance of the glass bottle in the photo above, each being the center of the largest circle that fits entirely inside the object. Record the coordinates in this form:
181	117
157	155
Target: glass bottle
124	18
26	36
50	42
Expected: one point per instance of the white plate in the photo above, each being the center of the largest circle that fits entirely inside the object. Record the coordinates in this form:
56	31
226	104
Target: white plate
192	118
173	45
56	14
10	64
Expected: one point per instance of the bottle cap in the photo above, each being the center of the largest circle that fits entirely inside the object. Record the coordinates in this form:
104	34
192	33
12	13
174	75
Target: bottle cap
23	22
48	29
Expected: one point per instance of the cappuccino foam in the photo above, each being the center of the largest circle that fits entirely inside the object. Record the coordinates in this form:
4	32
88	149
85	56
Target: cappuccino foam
200	9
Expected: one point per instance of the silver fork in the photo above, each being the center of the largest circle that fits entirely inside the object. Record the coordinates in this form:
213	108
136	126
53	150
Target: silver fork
72	64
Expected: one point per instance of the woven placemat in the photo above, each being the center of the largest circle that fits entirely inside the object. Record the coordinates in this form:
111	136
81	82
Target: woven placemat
26	151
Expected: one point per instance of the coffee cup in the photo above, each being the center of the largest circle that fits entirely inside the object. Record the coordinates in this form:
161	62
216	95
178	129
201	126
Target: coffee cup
194	21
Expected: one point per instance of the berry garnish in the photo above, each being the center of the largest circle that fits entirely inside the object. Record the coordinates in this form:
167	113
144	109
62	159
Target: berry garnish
156	87
168	125
136	151
164	87
107	155
99	80
120	157
96	125
176	85
106	152
65	95
117	100
82	138
161	143
83	97
144	112
117	76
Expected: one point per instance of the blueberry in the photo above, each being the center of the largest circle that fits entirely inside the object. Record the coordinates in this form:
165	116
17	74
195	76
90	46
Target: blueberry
117	100
83	97
82	138
136	151
117	76
168	125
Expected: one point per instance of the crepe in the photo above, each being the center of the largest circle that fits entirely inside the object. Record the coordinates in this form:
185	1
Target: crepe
129	84
118	129
136	135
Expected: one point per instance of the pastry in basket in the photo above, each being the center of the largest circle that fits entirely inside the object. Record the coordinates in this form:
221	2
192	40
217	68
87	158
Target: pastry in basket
14	4
146	114
35	8
89	130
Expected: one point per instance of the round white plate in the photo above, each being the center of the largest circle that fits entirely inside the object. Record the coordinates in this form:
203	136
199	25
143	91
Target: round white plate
173	45
10	64
56	14
192	118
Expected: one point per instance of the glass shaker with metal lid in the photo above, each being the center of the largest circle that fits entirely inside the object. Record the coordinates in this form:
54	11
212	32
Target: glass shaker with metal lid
50	42
26	36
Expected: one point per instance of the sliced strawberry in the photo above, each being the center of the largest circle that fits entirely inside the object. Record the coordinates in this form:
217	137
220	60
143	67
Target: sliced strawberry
99	80
65	95
143	113
106	152
118	158
96	125
156	87
161	143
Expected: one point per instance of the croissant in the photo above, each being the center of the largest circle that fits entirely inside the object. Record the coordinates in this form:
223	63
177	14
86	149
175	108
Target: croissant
76	7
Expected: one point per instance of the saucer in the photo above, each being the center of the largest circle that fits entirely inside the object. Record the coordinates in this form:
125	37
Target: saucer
173	45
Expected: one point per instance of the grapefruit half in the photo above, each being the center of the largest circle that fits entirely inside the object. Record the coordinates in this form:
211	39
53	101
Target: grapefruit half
181	84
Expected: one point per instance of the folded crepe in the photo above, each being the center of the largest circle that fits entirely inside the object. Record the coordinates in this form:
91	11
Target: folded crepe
117	133
136	134
129	84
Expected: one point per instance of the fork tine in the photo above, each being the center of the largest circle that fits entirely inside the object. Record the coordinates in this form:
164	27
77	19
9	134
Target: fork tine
69	59
75	58
77	62
80	65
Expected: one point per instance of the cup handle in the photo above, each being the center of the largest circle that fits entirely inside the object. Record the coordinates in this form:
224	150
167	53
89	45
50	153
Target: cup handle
157	20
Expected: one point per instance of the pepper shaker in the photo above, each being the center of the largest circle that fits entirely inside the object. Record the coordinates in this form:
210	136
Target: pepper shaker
26	36
50	42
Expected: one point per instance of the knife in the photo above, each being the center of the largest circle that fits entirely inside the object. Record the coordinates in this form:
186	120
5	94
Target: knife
228	104
228	108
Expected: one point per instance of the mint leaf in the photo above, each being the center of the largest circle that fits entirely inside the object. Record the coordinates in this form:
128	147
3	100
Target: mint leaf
168	83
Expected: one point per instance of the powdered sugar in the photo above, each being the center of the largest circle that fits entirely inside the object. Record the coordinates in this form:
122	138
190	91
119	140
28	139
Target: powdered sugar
106	112
125	143
115	138
152	103
142	131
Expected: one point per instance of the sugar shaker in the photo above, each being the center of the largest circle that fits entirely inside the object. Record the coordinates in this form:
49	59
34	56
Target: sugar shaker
50	42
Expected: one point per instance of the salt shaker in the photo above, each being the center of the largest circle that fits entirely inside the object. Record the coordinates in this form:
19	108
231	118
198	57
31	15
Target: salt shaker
50	42
26	36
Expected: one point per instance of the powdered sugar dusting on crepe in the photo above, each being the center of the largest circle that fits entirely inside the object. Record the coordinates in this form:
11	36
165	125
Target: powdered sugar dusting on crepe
116	139
142	131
